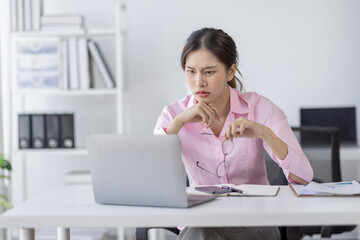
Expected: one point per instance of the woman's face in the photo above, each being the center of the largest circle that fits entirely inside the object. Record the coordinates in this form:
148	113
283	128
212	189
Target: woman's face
207	77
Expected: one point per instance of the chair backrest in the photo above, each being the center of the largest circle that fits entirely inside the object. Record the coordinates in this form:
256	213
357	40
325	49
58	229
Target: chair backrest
334	133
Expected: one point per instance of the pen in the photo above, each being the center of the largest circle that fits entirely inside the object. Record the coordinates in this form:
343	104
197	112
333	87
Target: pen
344	183
233	189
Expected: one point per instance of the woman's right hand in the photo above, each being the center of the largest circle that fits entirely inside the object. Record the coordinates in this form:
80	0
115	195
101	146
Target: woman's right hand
200	112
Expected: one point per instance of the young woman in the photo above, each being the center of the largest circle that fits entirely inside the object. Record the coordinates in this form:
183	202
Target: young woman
223	131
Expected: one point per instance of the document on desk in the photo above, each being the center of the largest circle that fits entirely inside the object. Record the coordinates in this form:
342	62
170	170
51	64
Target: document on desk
248	190
350	188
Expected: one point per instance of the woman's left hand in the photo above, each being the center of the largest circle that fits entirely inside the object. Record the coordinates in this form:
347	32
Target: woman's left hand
243	127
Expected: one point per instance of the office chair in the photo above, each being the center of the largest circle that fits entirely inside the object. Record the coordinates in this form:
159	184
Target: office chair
292	233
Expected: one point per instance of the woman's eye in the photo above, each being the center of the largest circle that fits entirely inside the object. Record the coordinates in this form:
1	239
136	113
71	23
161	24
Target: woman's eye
190	71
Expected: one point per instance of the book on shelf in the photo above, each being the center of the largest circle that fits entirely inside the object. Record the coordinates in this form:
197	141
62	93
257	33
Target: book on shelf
84	77
62	20
14	15
63	29
28	15
63	23
25	15
37	11
64	81
73	64
20	14
100	64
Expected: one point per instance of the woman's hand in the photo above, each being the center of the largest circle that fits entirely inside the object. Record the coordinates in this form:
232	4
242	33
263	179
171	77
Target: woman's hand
200	112
243	127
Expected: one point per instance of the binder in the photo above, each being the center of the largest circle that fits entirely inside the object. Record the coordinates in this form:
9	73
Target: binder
52	123
67	131
83	64
20	15
38	131
28	15
24	131
100	64
73	64
14	17
37	10
64	82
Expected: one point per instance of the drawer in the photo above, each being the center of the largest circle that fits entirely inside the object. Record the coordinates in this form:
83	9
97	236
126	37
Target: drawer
37	48
38	82
37	65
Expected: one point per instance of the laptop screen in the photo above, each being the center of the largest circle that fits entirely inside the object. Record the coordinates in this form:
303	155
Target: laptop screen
343	118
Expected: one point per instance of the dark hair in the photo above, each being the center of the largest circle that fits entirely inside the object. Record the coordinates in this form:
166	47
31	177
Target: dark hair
219	43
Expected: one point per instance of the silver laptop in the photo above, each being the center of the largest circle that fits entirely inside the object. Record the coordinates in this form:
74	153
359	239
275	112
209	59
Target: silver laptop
143	170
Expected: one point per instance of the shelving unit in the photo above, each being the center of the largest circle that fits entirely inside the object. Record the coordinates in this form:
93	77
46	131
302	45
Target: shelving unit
105	106
52	152
89	92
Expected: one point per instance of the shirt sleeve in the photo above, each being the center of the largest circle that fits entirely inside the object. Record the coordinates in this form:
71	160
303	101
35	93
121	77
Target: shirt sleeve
295	161
164	121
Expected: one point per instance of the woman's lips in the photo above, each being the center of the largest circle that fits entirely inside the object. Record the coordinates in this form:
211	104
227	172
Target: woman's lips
202	94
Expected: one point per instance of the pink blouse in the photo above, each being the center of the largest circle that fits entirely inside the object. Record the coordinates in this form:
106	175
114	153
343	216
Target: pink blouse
246	164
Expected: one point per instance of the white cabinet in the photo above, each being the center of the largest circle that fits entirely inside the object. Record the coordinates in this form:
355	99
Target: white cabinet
96	110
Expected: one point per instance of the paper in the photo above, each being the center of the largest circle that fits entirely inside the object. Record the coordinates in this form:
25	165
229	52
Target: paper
327	189
344	188
248	189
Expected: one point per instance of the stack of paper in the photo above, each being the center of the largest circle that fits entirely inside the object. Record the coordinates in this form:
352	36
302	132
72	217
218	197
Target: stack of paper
351	188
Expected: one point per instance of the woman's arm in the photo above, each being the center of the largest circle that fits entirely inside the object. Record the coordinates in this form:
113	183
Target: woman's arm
242	127
175	126
280	149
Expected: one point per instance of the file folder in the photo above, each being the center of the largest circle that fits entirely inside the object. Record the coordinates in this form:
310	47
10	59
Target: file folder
52	122
24	131
38	131
67	131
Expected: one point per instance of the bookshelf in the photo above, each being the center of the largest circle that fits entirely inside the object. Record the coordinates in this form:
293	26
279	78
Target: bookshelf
96	110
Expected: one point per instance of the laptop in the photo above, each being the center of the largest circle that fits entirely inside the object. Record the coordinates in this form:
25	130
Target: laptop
140	170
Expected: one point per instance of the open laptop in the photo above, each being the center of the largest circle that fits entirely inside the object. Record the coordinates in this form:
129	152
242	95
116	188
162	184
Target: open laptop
143	170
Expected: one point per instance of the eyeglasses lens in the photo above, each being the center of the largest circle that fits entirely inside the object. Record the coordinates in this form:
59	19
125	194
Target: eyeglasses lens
227	147
222	169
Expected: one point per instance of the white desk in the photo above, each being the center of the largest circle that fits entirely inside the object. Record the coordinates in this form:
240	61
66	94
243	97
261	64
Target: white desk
75	207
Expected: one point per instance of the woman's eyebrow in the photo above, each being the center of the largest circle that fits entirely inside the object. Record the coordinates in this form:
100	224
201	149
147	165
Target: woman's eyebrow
207	67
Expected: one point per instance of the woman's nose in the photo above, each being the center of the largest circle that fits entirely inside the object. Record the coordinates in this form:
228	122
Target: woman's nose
199	80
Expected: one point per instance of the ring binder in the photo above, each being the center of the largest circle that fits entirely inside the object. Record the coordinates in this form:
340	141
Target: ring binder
38	131
67	130
52	122
24	131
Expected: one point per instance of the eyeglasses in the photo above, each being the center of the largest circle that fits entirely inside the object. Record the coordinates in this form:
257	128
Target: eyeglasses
223	167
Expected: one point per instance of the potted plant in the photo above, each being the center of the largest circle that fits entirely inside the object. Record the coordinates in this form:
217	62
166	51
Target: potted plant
5	167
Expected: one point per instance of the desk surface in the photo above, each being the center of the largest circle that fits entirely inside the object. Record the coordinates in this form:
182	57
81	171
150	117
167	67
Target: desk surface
75	207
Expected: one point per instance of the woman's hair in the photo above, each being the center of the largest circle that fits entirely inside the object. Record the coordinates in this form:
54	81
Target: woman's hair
219	43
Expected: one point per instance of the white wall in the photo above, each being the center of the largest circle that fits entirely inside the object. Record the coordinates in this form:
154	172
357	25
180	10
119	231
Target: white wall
297	53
